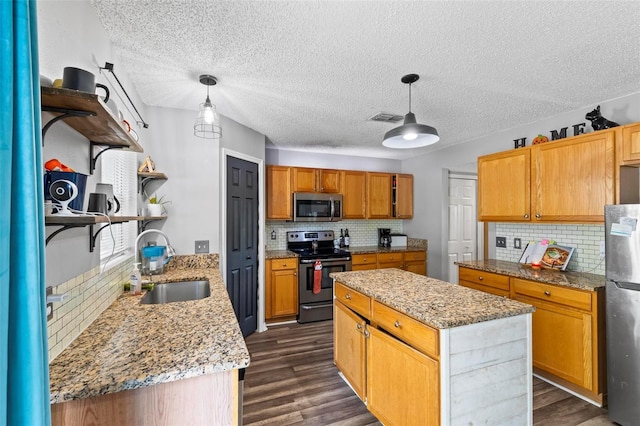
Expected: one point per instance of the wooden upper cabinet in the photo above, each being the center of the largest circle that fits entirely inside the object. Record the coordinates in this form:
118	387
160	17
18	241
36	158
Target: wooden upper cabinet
573	179
278	192
354	187
378	195
631	144
315	180
504	182
403	196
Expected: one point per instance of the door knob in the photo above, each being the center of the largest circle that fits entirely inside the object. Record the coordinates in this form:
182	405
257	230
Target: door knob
248	257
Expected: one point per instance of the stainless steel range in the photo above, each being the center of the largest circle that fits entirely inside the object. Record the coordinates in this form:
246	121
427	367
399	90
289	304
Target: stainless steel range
316	304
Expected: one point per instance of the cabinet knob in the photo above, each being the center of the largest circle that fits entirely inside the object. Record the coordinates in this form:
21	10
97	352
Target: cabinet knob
364	258
348	296
284	265
538	216
526	216
359	326
396	324
547	293
295	274
480	278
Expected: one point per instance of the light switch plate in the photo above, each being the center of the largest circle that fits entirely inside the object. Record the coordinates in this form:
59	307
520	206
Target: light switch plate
602	250
202	246
501	242
49	305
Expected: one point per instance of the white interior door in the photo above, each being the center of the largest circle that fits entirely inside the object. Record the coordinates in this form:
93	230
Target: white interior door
463	240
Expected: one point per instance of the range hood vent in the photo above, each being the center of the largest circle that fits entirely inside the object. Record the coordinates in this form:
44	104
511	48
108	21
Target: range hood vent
386	117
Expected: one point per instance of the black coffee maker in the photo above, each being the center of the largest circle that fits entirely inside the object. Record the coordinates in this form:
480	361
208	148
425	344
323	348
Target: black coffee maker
384	237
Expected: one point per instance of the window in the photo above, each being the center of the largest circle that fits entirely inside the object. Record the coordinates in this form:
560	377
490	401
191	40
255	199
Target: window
119	169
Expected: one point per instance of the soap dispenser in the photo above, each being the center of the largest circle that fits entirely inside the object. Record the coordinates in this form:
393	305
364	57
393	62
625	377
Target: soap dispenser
136	280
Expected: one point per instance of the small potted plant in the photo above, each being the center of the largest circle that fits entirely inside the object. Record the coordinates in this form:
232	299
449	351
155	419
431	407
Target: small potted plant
155	207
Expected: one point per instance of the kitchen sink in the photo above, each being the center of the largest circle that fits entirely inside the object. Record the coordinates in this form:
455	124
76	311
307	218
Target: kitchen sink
179	291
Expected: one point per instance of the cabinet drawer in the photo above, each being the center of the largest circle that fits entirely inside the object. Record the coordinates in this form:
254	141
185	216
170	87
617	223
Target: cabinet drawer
551	293
415	333
484	278
389	257
364	259
288	263
415	255
354	300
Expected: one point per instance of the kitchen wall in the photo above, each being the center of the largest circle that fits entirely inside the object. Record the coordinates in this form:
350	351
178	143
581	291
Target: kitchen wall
330	161
431	170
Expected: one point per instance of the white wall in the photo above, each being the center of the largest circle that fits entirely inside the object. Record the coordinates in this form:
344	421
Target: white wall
330	161
430	204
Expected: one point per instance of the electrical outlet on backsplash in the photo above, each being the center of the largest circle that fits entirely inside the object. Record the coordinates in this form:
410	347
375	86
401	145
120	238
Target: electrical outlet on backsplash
361	232
584	238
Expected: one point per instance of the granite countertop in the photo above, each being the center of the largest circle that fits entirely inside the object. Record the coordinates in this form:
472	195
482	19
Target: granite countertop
279	254
578	280
131	345
436	303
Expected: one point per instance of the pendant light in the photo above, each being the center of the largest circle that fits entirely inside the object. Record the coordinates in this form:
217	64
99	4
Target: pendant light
208	122
410	134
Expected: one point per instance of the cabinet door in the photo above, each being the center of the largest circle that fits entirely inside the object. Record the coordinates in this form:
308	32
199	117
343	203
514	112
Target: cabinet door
278	192
562	342
349	347
403	197
329	180
304	179
403	385
416	262
378	195
353	194
573	179
504	184
631	144
281	289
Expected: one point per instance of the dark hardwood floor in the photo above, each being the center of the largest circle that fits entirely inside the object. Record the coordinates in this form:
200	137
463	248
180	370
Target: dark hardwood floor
292	381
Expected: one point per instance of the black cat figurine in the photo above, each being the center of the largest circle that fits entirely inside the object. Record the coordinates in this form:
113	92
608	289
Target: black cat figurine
598	122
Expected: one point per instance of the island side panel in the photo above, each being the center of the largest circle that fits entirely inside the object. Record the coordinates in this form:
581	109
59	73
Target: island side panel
486	373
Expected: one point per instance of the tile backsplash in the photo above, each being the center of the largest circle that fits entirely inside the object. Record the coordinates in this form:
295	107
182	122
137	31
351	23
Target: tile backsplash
585	238
361	232
89	294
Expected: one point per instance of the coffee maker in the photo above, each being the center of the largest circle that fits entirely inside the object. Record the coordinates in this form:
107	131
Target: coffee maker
384	237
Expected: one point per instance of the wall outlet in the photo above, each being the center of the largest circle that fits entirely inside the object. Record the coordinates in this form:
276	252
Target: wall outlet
517	243
49	305
501	242
202	246
602	251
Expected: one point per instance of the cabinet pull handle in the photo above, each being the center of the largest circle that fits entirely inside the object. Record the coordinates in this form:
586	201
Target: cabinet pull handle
547	293
526	216
348	296
396	324
480	278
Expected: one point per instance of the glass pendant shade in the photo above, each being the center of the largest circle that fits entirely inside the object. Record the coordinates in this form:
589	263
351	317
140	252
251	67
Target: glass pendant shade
207	124
410	134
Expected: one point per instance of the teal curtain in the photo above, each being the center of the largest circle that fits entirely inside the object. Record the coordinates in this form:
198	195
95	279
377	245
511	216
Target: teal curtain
24	360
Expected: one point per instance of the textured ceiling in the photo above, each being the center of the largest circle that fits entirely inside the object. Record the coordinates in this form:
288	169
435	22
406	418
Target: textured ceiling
308	74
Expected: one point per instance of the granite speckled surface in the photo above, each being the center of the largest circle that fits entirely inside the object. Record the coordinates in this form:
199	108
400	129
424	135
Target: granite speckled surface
436	303
279	254
131	345
376	249
579	280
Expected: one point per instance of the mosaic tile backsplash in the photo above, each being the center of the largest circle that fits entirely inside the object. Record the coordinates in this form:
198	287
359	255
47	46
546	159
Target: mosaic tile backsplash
361	232
585	238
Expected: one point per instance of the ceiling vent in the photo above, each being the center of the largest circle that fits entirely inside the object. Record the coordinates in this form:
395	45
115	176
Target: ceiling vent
385	117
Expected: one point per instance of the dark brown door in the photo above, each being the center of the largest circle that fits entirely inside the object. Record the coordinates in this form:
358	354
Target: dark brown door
242	241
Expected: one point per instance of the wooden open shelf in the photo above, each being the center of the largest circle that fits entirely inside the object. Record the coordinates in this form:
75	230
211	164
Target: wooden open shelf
101	128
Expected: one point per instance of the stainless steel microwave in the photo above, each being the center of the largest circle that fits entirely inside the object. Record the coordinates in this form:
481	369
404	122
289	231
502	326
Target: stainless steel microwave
316	207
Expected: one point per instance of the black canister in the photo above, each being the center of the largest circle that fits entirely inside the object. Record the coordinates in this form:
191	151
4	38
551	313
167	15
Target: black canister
82	80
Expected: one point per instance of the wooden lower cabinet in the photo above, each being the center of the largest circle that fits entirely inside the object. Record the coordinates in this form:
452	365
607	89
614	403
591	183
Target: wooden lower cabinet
363	262
412	261
484	281
349	344
416	262
390	260
403	386
281	288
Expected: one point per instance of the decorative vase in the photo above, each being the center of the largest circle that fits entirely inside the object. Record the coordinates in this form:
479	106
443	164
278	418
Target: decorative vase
154	209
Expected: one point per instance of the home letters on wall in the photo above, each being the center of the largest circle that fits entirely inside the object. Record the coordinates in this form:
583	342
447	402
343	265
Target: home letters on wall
555	134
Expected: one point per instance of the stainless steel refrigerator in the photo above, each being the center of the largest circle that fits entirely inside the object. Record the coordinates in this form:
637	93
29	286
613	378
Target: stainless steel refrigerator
622	245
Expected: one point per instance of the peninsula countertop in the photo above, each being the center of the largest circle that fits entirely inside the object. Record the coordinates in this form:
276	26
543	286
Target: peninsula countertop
578	280
131	345
436	303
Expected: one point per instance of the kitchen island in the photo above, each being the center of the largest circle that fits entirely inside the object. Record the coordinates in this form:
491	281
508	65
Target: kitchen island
173	363
421	351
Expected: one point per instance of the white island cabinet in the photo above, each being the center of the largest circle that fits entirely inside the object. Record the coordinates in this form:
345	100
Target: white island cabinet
419	351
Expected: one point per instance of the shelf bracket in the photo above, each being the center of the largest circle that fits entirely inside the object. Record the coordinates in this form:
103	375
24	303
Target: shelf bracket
93	160
94	237
65	113
143	183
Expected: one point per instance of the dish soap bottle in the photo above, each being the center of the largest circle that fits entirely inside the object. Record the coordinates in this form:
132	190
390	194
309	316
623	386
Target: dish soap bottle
136	280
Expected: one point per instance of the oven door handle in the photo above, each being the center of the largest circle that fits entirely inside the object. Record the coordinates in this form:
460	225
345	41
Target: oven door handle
326	261
333	209
326	305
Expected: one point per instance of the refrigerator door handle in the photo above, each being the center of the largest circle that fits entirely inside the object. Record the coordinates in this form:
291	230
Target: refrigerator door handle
627	285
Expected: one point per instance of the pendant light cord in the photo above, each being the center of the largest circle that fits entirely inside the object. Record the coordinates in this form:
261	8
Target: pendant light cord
409	97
